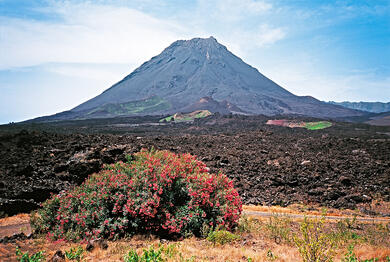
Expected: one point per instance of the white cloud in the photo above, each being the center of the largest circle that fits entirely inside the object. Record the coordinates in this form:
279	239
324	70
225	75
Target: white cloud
244	43
93	33
86	33
304	79
226	14
241	25
109	73
239	9
268	35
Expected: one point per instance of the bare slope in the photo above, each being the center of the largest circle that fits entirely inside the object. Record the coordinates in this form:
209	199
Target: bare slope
189	70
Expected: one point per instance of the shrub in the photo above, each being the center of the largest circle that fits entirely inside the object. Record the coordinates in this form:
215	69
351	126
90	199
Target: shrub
279	229
245	224
162	253
222	237
313	243
25	257
132	256
270	255
149	255
75	253
170	250
345	231
158	192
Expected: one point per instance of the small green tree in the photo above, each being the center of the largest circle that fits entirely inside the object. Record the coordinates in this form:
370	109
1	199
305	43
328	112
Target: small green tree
313	243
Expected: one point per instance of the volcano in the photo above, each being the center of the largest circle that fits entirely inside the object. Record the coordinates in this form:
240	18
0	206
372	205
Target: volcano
192	74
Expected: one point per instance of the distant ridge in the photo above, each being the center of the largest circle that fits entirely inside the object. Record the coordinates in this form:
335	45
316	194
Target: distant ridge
372	107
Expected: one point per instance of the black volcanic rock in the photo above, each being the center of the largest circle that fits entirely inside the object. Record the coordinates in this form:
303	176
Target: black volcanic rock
344	166
188	70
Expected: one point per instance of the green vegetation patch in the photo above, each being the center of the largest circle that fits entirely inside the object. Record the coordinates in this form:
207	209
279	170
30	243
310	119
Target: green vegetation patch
168	119
317	125
187	117
161	254
148	105
25	257
222	237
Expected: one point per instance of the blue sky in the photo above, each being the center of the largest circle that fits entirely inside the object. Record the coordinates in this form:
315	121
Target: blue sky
55	55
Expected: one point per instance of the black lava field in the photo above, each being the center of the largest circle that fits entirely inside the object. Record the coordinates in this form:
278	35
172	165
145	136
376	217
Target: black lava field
341	166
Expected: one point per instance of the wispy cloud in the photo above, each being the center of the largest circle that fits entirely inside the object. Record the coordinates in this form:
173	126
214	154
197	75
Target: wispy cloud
305	80
268	35
242	25
234	10
86	33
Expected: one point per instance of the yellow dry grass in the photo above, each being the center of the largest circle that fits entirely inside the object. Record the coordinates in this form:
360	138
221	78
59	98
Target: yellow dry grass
256	243
14	220
198	250
365	251
300	210
317	211
195	249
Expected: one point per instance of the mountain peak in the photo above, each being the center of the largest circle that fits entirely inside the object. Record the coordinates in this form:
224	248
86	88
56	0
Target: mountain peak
198	72
200	44
210	39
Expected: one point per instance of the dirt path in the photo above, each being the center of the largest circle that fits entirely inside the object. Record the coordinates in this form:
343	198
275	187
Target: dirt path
300	216
15	225
10	230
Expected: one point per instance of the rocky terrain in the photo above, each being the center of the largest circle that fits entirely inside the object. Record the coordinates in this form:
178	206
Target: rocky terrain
340	166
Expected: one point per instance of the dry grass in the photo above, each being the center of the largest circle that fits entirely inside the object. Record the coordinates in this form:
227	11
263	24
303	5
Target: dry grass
298	209
259	241
334	215
14	220
197	249
314	210
369	251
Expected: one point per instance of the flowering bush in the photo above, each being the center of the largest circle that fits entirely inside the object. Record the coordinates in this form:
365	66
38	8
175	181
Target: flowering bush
158	192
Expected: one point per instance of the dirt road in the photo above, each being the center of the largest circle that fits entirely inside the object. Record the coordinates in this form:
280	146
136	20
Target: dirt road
301	216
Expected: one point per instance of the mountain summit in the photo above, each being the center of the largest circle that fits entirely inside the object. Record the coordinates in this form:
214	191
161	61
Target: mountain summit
189	70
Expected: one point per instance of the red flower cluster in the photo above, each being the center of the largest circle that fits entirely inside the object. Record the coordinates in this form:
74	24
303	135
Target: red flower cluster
159	192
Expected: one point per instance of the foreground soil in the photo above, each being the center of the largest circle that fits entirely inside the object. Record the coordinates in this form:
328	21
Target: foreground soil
261	238
344	166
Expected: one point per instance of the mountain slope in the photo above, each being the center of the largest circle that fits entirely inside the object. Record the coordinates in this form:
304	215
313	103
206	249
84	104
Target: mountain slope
207	103
380	119
189	70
